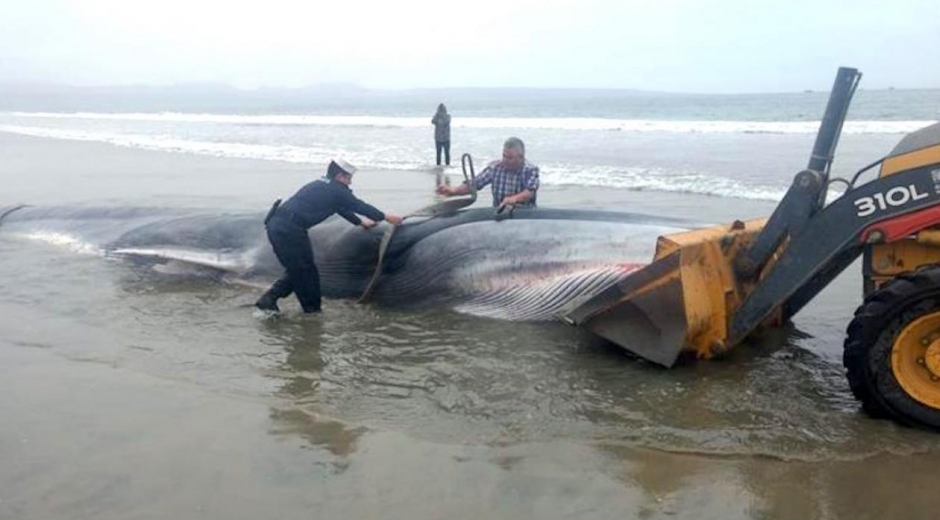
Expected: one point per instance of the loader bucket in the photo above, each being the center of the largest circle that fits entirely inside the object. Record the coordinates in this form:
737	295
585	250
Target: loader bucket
682	302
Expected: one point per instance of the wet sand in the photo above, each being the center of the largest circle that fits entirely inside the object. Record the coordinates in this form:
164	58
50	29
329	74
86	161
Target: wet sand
123	397
87	440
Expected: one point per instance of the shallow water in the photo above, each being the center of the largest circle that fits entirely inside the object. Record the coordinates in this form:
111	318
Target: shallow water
138	394
445	376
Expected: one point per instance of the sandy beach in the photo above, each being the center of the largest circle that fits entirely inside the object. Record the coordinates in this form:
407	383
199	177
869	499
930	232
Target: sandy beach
124	396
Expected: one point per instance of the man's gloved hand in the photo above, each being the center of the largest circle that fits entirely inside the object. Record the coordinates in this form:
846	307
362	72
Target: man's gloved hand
394	220
367	223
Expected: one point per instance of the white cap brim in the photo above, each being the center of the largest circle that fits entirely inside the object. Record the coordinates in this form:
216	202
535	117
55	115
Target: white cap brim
345	166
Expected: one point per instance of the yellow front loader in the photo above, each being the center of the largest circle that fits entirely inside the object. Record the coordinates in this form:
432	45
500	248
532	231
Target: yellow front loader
707	290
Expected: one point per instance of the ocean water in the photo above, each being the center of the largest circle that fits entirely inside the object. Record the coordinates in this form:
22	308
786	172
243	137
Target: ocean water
745	146
166	395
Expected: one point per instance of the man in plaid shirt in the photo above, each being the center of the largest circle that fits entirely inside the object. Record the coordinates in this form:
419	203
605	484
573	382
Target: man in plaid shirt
515	181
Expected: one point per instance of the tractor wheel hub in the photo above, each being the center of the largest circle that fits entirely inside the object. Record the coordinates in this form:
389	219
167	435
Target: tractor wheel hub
932	359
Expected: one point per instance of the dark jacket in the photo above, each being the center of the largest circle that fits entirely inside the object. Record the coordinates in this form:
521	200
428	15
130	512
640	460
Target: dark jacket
316	201
441	123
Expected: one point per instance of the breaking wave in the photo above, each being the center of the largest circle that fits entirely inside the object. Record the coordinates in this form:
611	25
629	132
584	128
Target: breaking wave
630	178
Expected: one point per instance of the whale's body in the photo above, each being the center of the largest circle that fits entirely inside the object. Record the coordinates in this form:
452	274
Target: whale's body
527	265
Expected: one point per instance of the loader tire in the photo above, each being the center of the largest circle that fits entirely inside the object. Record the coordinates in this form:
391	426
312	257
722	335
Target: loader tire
892	350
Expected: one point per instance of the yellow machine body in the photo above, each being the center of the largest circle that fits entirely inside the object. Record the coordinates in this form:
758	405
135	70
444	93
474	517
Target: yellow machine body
708	289
686	299
884	262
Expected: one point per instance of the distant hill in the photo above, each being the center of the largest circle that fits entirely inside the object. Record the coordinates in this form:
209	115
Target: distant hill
220	98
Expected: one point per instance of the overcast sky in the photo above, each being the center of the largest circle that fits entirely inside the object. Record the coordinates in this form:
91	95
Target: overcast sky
664	45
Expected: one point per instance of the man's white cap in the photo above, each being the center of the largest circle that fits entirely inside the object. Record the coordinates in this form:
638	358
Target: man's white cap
345	166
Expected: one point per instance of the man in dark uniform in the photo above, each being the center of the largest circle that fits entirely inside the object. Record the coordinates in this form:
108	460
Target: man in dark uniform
287	226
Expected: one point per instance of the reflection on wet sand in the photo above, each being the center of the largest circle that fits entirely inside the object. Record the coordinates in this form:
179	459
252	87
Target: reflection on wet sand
882	486
334	436
678	485
298	412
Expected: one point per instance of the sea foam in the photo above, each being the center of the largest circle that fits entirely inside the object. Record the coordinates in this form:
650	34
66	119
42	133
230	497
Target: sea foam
631	178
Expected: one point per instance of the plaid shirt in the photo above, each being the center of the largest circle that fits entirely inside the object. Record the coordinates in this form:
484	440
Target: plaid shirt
506	183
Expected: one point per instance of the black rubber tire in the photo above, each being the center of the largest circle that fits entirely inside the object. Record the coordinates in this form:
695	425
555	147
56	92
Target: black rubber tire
871	336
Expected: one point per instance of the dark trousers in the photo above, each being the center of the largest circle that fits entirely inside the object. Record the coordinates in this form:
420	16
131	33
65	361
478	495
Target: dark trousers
292	247
443	145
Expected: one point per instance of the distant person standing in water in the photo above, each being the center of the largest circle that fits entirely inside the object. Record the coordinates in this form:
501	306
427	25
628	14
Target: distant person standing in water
287	226
441	122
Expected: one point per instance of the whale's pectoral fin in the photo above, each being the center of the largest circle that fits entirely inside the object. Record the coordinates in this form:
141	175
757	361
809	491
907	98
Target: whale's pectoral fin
224	261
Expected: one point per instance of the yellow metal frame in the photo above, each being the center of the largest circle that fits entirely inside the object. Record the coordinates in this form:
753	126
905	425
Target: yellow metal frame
887	261
711	292
907	161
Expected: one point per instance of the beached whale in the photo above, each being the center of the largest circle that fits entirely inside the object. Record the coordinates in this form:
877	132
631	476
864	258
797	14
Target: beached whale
525	265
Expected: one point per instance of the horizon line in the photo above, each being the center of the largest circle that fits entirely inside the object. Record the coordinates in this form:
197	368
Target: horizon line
354	87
